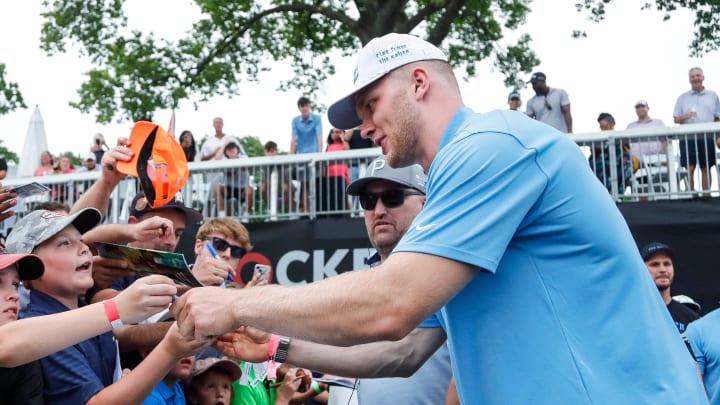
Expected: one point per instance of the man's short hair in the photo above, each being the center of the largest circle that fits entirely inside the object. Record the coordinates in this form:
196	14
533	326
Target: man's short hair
227	227
270	145
52	206
303	101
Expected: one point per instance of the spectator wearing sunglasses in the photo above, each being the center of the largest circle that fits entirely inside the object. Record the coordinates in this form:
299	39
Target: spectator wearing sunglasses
231	242
549	105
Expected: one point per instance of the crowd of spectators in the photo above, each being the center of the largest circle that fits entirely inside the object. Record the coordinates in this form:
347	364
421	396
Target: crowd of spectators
52	274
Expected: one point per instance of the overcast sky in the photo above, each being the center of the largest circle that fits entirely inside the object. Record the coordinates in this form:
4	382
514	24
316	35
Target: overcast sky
633	54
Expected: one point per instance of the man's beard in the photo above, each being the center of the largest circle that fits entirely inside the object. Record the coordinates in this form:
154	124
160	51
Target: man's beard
404	147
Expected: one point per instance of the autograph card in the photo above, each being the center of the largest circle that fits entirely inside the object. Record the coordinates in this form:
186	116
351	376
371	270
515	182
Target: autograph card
30	189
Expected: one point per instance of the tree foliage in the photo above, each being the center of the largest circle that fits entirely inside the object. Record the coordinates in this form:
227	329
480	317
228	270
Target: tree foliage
7	153
136	73
252	145
10	96
707	19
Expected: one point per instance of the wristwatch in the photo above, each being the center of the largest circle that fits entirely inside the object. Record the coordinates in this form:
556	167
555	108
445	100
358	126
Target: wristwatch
282	350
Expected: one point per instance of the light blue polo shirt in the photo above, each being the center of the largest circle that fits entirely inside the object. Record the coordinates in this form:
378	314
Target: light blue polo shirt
562	309
705	103
704	337
307	132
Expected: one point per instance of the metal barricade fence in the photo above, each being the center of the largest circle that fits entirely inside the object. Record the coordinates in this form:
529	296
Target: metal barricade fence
634	165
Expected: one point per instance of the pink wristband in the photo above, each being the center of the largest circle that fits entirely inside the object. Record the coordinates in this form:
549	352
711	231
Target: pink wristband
272	348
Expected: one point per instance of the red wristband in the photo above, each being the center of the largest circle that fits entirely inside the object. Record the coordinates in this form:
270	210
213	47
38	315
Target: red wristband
112	313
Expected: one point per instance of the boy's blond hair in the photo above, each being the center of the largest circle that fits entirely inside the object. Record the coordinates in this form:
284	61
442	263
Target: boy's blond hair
227	227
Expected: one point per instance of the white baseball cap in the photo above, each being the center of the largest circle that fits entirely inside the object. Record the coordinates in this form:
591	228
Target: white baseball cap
377	58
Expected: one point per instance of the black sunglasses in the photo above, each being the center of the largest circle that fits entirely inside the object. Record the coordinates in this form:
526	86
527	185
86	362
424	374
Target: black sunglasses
390	198
221	245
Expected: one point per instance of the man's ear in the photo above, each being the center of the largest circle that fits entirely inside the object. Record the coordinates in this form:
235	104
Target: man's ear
198	246
422	201
421	81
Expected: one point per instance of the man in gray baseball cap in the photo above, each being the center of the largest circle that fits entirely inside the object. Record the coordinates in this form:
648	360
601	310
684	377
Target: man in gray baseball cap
390	198
410	176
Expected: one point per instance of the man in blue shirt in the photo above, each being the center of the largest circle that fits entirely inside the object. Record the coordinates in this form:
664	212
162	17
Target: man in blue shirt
306	138
703	336
692	107
306	129
540	289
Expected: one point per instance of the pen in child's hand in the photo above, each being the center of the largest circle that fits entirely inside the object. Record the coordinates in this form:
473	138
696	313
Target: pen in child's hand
212	251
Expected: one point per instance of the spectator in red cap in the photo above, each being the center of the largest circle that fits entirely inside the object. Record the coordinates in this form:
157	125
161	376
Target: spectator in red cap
21	384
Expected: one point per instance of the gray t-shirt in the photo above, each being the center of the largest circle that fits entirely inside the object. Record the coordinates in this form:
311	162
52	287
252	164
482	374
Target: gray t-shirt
553	116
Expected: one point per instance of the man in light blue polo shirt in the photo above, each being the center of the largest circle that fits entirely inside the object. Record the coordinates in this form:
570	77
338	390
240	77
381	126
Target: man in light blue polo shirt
692	107
704	337
306	129
540	289
306	138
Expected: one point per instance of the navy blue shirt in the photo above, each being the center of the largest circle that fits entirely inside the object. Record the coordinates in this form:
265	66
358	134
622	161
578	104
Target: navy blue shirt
73	375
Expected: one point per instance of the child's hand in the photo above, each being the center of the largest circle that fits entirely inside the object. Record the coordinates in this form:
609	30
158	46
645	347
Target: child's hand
145	297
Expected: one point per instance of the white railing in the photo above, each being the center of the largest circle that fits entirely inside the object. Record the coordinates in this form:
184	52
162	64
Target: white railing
654	170
313	185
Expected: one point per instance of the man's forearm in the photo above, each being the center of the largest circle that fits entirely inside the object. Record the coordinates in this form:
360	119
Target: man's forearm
385	303
371	360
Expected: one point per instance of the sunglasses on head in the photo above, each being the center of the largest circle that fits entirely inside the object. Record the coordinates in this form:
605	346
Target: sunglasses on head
221	245
390	198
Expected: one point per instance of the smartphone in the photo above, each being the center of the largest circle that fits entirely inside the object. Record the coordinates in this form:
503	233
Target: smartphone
264	271
30	189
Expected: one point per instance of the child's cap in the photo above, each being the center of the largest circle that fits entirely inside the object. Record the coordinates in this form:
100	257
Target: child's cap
29	267
159	163
41	225
203	365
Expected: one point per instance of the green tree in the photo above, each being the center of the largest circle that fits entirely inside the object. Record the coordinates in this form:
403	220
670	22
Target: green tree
10	96
137	73
707	19
7	153
252	145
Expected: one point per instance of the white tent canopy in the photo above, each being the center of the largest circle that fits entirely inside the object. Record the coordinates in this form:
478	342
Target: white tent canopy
35	143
